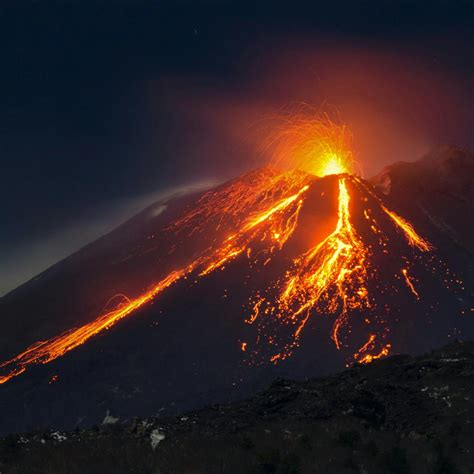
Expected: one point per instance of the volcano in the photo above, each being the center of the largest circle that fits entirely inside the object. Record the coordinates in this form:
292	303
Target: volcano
209	297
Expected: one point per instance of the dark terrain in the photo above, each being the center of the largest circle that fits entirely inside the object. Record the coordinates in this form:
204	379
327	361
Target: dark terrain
397	415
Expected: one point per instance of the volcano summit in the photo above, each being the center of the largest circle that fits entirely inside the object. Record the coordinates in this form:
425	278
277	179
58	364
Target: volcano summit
283	271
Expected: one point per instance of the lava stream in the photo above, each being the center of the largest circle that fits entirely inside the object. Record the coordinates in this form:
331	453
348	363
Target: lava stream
413	238
333	278
367	353
333	273
275	224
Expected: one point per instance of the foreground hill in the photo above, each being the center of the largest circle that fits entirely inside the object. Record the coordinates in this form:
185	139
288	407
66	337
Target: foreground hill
397	415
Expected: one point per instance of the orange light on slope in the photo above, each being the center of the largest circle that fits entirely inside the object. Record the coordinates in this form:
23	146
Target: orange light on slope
43	352
332	276
366	354
369	352
413	238
278	217
238	200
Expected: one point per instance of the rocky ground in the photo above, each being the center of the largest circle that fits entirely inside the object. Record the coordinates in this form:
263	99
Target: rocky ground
398	415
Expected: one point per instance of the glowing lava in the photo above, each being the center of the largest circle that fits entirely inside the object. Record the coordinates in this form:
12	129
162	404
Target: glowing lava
368	352
275	223
255	219
409	283
332	274
413	238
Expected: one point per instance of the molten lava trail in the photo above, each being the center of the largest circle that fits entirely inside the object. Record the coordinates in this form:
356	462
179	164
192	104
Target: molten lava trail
337	263
368	352
274	225
333	278
333	274
413	238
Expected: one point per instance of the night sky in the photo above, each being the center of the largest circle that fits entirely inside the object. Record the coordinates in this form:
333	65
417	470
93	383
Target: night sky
106	106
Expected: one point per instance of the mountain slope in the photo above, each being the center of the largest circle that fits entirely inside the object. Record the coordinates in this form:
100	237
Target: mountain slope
438	188
268	275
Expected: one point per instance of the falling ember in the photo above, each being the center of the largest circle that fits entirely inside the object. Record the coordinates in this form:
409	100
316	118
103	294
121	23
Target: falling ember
409	283
53	379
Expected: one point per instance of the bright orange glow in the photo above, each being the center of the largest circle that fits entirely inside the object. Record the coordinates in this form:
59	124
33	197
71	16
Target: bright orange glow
312	142
367	353
332	164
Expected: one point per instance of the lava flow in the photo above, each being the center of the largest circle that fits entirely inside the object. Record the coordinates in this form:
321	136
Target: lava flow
255	219
333	278
274	223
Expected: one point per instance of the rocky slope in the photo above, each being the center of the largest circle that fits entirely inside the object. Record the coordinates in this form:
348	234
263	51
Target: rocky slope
397	415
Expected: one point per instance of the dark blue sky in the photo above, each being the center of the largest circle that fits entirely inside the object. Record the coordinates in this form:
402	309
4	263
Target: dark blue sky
104	104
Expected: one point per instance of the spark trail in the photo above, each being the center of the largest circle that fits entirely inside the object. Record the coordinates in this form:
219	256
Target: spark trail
409	283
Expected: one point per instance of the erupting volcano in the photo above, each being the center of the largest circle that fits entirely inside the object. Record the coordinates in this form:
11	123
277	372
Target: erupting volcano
316	249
